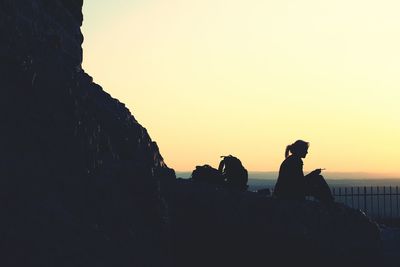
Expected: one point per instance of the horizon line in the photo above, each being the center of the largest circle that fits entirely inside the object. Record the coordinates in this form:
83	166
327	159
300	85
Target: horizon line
351	174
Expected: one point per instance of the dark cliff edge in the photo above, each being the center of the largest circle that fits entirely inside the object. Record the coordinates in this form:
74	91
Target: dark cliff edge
79	176
83	184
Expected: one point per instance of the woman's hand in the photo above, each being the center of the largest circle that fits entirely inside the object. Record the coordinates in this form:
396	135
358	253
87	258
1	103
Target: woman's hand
316	172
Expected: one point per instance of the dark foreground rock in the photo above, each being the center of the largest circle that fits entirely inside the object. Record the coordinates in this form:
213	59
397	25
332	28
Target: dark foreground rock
391	245
217	227
79	176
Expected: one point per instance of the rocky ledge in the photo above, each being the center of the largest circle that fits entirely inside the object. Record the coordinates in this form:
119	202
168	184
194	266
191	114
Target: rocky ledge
213	226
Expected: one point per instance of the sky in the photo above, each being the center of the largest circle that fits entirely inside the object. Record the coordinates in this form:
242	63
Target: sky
247	77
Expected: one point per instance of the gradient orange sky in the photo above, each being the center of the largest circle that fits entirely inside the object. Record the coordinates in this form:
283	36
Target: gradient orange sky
212	77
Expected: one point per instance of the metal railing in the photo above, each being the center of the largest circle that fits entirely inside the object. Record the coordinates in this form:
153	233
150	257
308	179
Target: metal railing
379	202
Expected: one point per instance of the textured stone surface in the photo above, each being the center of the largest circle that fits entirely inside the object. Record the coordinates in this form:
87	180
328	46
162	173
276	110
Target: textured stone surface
79	176
218	227
52	110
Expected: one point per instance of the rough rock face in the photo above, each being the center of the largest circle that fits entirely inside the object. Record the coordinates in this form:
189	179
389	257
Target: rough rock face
79	176
55	117
217	227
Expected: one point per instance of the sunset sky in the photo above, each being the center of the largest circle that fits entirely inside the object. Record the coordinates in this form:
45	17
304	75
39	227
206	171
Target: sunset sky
248	77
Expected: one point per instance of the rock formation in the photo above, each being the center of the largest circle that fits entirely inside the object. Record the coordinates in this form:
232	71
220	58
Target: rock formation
79	176
218	227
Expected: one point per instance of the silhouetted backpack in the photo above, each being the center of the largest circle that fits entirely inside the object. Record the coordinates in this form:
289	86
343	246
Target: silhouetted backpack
235	175
207	174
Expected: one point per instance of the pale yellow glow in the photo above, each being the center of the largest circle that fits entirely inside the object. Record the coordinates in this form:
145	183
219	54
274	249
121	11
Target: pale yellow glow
213	77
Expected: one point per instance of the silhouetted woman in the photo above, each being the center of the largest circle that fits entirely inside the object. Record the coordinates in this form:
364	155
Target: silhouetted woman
292	184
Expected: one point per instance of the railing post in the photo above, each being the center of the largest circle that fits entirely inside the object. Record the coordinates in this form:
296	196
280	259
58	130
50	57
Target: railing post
371	199
365	199
384	201
390	199
345	195
377	198
352	198
397	200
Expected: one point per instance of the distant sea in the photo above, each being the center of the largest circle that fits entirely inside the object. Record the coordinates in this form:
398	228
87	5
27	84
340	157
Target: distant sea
259	180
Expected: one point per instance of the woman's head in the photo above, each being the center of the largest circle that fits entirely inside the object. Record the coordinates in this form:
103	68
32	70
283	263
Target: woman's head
298	148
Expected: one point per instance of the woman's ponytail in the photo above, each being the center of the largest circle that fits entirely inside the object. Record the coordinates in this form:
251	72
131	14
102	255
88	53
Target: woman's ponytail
297	147
288	148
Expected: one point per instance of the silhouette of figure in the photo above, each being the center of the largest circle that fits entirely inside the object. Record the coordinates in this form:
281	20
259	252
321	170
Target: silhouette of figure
292	184
234	173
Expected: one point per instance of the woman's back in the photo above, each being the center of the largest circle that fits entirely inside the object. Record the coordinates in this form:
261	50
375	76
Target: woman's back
291	181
